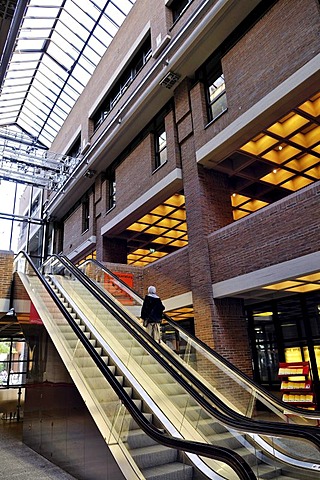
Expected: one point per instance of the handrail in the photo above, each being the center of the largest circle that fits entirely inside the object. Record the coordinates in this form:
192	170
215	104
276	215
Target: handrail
262	391
232	419
232	459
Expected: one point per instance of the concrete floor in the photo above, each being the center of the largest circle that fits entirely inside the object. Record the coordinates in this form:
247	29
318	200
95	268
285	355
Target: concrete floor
19	462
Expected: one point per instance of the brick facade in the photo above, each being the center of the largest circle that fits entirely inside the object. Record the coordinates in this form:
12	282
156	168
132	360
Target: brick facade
269	52
273	233
6	259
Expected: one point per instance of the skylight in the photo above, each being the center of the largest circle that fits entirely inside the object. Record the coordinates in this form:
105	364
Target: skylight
58	47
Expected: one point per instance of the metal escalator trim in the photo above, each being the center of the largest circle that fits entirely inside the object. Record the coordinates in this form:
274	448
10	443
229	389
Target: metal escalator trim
277	454
237	421
263	392
231	458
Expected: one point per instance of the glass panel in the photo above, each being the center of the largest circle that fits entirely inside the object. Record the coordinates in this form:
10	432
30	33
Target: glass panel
60	29
208	366
129	358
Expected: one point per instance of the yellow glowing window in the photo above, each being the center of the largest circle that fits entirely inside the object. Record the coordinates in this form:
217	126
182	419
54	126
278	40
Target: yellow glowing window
303	162
314	172
256	147
313	277
312	106
179	243
288	124
155	230
237	199
162	210
237	214
280	156
307	138
138	227
304	288
168	222
296	183
254	205
282	285
178	214
175	200
149	219
173	234
161	240
141	251
277	176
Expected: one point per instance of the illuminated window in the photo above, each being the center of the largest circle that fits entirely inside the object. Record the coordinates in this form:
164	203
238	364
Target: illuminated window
160	147
112	190
217	97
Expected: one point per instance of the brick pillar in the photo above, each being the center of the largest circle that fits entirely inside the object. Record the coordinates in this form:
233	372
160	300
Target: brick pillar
114	250
6	262
208	208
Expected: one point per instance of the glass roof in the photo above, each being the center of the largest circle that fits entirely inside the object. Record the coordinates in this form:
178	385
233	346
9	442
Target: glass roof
59	44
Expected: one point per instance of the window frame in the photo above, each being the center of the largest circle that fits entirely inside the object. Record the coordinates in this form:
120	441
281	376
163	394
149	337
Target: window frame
178	7
221	98
111	190
85	215
158	149
122	83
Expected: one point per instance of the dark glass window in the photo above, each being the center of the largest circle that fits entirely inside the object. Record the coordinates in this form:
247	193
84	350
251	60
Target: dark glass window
85	215
75	150
178	7
123	82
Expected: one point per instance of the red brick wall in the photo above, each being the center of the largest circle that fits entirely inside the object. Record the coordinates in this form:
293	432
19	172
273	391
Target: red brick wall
266	56
135	271
270	53
73	235
135	175
170	275
19	290
6	260
282	231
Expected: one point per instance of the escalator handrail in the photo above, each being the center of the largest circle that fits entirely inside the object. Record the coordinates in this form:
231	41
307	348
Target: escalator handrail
231	458
262	391
232	419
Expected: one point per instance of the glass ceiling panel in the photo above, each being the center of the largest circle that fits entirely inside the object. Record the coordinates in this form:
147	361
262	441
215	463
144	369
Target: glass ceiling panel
58	47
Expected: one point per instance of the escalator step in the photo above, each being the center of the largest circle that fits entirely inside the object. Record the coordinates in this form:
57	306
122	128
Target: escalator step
171	471
153	455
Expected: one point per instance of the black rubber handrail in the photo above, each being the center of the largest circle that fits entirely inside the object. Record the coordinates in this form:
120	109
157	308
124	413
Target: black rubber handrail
262	391
231	418
231	458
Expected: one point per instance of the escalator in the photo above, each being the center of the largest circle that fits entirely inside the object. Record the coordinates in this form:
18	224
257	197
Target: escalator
120	372
204	362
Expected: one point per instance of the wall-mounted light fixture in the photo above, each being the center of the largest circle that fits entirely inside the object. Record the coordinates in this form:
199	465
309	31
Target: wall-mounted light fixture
89	173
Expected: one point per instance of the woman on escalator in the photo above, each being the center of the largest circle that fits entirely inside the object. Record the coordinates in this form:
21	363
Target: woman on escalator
151	313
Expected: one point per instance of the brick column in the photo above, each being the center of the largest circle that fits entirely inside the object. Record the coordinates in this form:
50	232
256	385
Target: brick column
220	324
114	250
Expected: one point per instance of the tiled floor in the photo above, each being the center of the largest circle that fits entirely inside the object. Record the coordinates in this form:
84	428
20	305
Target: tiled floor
19	462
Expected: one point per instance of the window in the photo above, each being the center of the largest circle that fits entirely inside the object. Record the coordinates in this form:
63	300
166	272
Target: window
178	7
122	83
217	97
85	215
112	190
160	146
212	76
75	149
